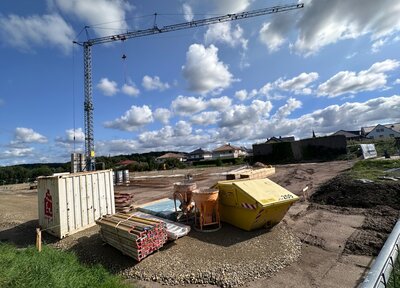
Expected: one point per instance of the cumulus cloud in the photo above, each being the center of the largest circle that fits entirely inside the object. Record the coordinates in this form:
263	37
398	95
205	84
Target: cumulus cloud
27	135
187	12
224	33
154	83
351	82
203	70
25	33
285	110
108	87
229	6
397	81
205	118
377	45
72	136
219	104
130	89
298	84
273	34
324	22
16	153
241	114
133	119
162	115
91	11
187	105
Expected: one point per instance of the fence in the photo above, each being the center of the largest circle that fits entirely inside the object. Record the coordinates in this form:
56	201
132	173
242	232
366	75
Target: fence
378	276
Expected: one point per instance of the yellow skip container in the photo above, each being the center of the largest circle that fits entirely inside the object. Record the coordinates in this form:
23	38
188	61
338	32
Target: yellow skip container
252	204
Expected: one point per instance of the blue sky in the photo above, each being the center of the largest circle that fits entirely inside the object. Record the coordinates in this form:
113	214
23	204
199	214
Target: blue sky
331	65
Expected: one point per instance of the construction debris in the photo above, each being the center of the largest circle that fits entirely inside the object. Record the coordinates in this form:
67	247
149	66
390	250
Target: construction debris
123	201
174	230
134	236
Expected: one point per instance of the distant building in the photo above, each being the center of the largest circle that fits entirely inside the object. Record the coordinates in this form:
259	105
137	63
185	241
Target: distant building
350	135
381	131
166	156
126	162
228	151
280	139
199	154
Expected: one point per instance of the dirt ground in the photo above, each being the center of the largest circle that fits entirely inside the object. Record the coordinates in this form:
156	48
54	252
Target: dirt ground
337	240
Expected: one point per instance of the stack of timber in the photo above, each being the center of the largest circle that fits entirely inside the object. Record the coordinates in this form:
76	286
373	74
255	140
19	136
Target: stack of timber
134	236
260	173
123	201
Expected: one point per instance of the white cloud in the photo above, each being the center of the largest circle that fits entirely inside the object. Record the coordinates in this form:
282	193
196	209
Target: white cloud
219	104
273	34
130	89
206	118
92	12
351	82
187	11
187	105
70	134
285	110
231	6
244	95
162	115
325	22
132	120
182	128
27	135
154	83
298	84
108	87
203	70
24	33
377	45
241	114
16	153
397	81
223	33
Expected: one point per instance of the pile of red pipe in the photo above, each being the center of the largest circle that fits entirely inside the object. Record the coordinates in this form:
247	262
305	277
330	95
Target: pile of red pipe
134	236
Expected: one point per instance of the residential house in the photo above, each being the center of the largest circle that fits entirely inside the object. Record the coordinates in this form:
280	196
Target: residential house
199	154
350	135
274	139
126	162
381	131
228	151
162	158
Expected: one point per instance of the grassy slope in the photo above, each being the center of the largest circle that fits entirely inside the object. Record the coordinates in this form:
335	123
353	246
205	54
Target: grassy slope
50	268
372	169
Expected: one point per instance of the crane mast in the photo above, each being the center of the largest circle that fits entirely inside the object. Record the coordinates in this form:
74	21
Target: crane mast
87	56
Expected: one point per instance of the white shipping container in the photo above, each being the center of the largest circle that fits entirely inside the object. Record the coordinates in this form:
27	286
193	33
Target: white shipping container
71	203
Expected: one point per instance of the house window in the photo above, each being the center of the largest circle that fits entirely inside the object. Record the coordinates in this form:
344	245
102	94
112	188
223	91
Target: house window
380	136
391	135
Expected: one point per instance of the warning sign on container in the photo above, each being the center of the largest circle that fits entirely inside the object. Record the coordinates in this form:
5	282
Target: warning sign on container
48	205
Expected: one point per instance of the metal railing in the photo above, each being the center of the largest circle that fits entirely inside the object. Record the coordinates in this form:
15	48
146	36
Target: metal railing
378	276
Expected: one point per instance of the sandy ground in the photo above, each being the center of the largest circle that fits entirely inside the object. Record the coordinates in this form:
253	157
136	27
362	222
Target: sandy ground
323	230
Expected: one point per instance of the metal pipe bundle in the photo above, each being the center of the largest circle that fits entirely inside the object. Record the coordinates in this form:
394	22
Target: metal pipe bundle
134	236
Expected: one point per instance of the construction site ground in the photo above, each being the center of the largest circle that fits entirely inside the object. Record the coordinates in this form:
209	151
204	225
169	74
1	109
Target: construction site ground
326	241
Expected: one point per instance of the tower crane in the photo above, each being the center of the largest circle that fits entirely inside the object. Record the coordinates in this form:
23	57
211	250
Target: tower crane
87	56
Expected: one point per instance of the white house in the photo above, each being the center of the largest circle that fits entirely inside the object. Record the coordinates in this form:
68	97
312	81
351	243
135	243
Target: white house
228	151
199	154
381	131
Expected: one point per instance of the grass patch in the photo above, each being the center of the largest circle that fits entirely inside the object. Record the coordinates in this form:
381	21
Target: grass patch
372	169
50	268
394	280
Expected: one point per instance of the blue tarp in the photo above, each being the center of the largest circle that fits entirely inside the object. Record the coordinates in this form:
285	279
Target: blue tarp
163	208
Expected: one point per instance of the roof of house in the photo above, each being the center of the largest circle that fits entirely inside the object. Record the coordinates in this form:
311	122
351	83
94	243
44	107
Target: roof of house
171	155
126	162
280	139
394	127
199	151
226	147
348	134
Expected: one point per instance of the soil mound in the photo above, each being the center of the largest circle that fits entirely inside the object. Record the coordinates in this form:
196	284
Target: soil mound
346	192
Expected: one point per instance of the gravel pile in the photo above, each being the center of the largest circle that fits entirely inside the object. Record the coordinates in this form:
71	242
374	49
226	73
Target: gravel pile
227	258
